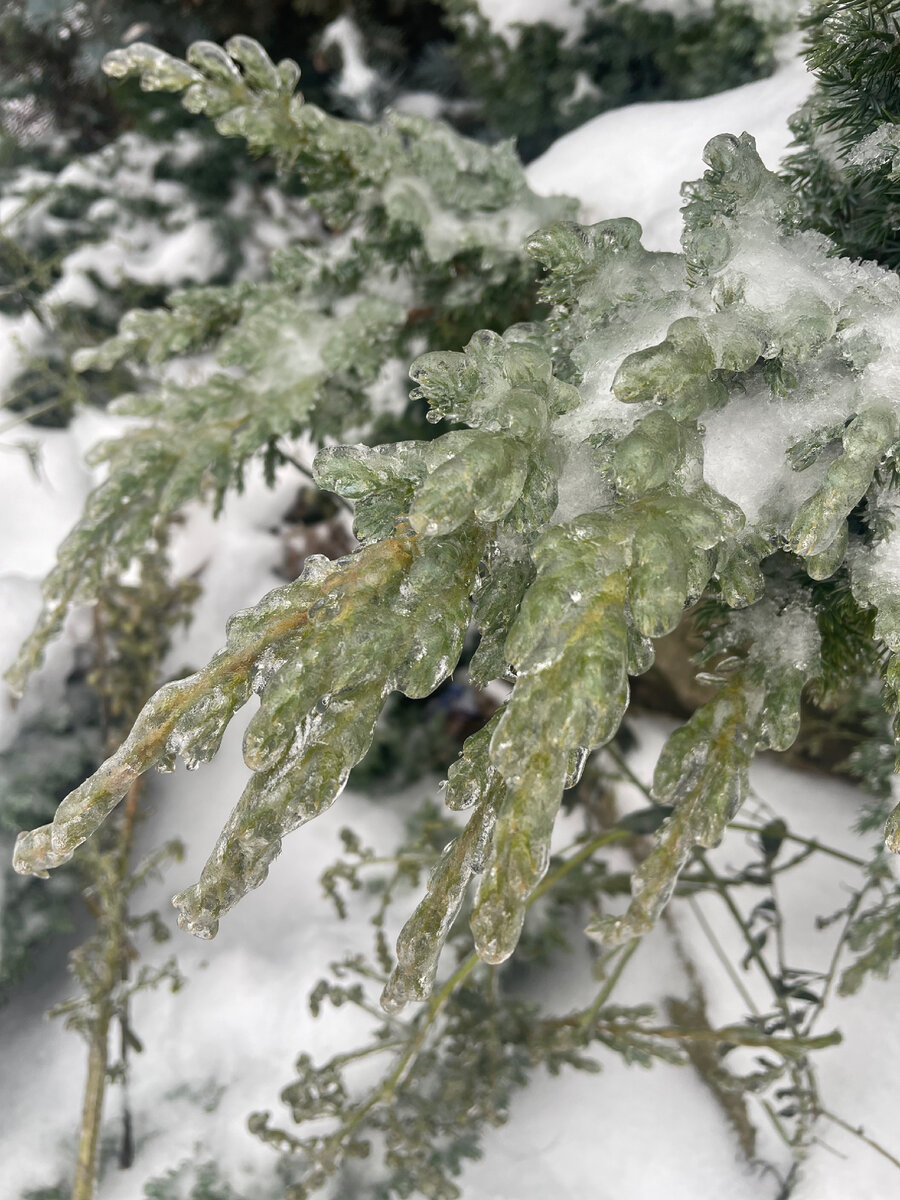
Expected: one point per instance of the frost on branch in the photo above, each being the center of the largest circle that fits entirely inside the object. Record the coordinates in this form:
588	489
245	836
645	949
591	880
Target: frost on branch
718	426
431	226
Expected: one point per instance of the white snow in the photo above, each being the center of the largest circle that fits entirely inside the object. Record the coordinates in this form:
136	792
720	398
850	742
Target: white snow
357	82
505	16
632	161
761	482
19	337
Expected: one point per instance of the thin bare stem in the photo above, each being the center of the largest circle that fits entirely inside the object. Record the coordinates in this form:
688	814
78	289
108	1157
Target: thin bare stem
113	924
406	1061
723	958
589	1016
858	1132
811	843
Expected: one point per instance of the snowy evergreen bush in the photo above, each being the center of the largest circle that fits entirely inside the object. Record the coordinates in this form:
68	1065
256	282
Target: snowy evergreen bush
604	444
542	69
602	482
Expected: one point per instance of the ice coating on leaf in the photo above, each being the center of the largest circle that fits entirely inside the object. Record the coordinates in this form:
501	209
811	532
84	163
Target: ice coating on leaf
159	72
424	934
472	783
472	771
499	384
650	455
505	389
457	193
507	574
258	68
190	319
482	480
866	441
446	233
275	352
329	632
389	628
187	717
519	853
703	769
301	785
571	646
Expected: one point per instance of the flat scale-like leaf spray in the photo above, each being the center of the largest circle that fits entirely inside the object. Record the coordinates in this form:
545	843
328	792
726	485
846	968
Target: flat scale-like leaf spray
680	427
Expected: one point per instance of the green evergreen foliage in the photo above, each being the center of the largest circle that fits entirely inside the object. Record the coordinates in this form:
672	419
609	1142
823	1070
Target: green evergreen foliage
52	97
844	165
91	175
669	339
434	210
540	83
625	437
190	1182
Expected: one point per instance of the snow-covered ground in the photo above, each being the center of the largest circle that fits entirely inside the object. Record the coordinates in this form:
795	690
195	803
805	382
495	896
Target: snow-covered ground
242	1017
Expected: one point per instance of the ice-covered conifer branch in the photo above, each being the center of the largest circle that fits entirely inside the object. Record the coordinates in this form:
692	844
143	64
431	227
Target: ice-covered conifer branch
416	171
302	351
198	439
703	770
676	429
342	635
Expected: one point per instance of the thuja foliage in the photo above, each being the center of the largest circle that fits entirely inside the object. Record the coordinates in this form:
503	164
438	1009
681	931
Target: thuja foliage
714	429
52	97
432	225
53	106
104	187
80	247
570	513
